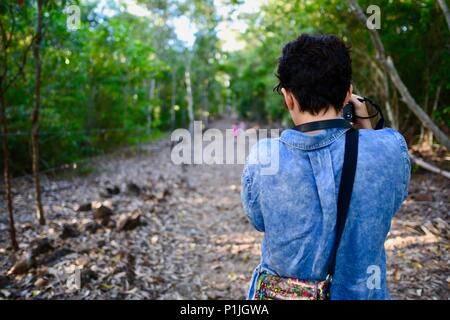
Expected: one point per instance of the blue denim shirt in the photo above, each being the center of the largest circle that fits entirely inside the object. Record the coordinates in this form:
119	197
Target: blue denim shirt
296	207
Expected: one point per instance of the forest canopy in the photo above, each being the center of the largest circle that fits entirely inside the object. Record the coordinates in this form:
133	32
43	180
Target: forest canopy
124	74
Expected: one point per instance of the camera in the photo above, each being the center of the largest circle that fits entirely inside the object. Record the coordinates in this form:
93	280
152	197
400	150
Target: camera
348	112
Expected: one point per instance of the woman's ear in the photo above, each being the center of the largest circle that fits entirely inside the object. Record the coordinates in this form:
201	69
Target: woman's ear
288	99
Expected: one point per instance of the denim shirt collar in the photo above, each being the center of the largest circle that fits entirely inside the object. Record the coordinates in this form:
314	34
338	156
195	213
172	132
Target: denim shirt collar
305	141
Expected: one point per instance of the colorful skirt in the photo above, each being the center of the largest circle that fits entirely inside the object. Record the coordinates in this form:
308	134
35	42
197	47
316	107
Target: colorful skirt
272	287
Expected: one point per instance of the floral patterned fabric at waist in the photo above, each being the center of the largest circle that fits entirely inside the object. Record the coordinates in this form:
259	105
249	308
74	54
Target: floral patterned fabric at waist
272	287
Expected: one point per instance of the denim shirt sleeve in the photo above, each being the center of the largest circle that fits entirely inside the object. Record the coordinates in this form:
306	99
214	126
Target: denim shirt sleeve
249	197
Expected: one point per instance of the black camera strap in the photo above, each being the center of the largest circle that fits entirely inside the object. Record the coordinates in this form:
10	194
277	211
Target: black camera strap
323	124
347	175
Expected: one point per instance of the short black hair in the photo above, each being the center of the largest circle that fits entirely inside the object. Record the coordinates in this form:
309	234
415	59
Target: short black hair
317	70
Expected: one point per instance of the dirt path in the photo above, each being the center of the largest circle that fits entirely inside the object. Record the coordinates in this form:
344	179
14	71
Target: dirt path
194	240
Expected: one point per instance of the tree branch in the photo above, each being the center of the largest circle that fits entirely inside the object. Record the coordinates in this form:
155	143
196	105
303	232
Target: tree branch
389	66
373	32
444	8
421	163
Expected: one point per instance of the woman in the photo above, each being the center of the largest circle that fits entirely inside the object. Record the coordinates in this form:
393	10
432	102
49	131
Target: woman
296	207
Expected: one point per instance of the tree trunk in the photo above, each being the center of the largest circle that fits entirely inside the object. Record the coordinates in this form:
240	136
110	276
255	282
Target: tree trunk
6	173
151	96
389	67
444	8
190	100
126	89
6	38
391	115
173	100
396	107
35	118
425	108
427	137
205	103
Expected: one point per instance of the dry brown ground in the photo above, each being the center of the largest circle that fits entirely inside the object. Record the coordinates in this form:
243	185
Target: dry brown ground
195	242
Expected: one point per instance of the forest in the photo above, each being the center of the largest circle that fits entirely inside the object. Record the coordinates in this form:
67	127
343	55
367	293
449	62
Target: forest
91	89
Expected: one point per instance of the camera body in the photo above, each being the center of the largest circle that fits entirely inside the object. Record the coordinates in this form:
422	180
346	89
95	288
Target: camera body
348	112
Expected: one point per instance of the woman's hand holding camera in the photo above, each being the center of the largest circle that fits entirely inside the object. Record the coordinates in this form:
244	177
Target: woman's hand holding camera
360	111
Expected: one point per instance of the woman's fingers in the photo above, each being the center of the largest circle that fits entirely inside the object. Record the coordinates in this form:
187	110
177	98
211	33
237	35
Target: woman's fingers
361	111
356	102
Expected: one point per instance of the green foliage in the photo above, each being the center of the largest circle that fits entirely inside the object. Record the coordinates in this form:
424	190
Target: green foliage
96	80
120	78
414	34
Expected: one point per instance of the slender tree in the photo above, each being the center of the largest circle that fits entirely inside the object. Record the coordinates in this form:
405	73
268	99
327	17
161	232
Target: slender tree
173	98
190	99
6	173
7	79
6	41
35	116
151	97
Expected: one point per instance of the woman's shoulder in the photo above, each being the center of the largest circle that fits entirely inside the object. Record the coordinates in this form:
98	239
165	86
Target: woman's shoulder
264	148
385	132
386	143
264	157
386	136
